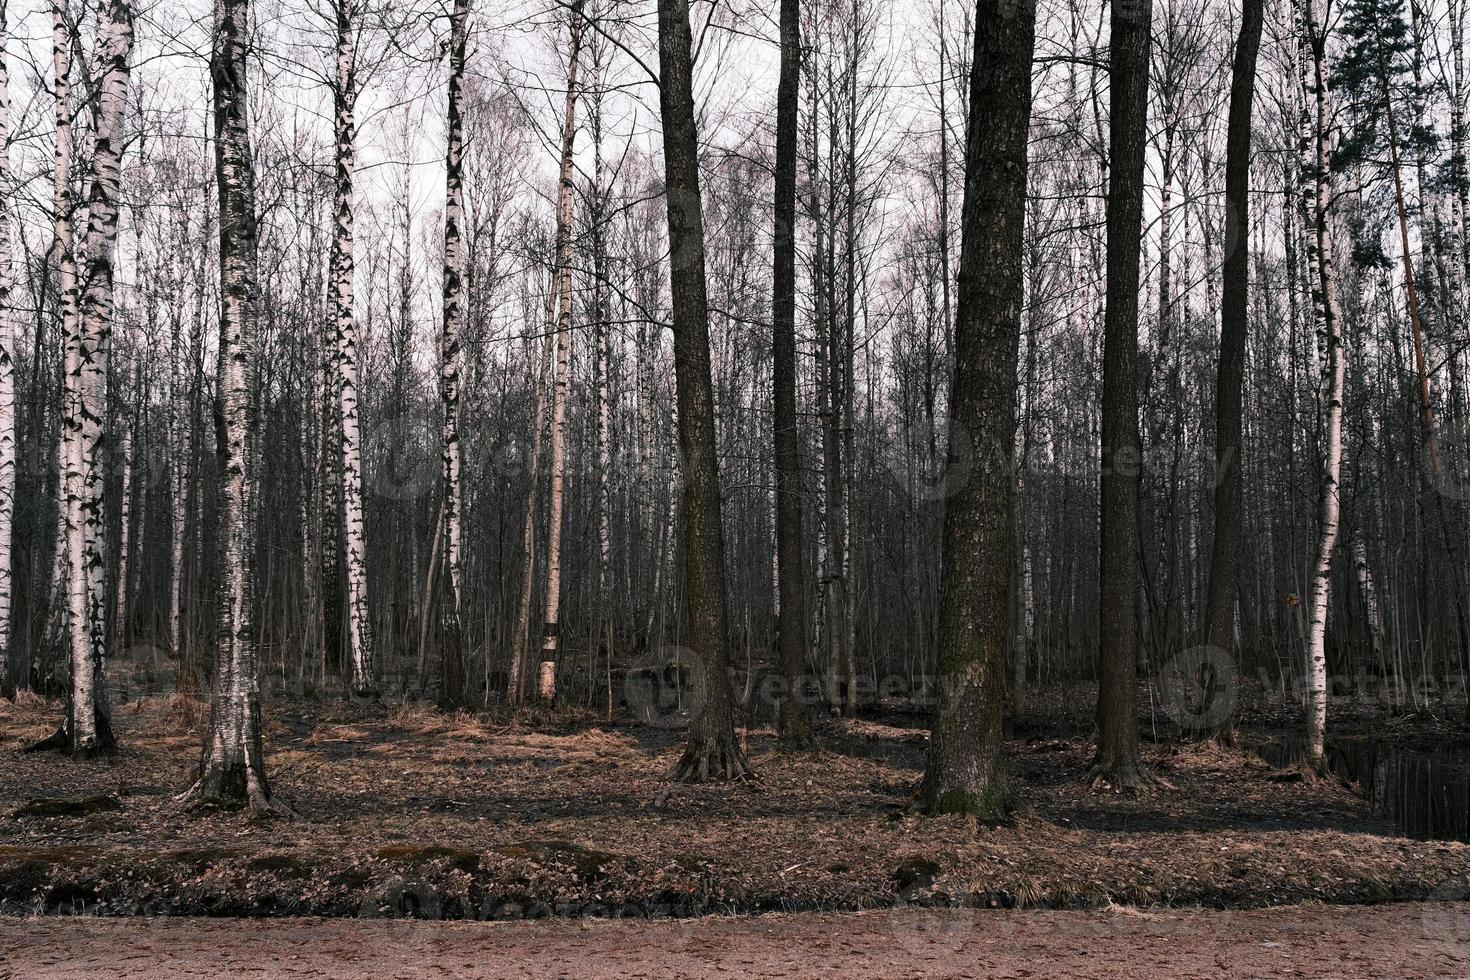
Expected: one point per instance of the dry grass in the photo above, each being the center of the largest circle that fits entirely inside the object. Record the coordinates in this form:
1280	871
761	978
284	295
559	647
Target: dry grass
409	811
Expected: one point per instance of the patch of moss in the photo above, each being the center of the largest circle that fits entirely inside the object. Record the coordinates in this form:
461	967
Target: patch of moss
46	855
285	865
592	865
66	808
203	858
462	859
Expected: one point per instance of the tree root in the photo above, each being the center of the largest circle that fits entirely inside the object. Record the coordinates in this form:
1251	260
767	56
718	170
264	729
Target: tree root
57	741
712	762
211	795
61	741
1127	776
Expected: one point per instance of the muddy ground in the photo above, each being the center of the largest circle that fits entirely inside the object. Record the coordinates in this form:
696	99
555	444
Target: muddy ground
1399	941
407	812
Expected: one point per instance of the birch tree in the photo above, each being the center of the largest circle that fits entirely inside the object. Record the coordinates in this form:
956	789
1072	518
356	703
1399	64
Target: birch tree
232	770
562	328
87	728
7	375
1316	167
344	95
450	354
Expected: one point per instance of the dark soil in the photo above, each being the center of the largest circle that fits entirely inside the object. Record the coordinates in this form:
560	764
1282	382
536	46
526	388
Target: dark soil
411	813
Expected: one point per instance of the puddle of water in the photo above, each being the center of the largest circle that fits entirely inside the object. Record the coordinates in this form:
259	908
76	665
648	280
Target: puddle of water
1424	794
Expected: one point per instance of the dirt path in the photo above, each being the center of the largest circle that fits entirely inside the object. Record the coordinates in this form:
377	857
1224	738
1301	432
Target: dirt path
1425	940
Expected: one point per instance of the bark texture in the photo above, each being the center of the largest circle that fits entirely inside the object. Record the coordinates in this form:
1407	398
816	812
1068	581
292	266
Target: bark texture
712	752
232	771
1117	763
793	724
1234	323
965	773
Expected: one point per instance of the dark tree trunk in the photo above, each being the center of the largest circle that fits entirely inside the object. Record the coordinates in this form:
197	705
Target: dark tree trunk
794	725
965	773
1117	761
712	752
1215	717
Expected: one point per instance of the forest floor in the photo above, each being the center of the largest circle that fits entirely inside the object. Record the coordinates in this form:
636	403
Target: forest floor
1400	941
409	812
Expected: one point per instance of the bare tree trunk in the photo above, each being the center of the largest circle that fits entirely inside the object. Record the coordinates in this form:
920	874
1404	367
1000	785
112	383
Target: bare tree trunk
1328	314
712	752
1369	592
88	730
178	472
359	639
7	379
1229	377
520	656
599	219
551	624
451	355
965	772
232	770
1117	763
794	725
124	540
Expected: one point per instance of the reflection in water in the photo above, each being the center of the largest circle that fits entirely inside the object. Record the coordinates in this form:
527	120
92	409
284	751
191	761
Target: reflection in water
1425	794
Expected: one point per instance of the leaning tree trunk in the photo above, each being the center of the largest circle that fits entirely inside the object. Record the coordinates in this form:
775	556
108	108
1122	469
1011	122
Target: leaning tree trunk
562	283
1229	375
965	773
7	378
451	357
1117	763
1328	314
712	752
793	724
232	771
359	639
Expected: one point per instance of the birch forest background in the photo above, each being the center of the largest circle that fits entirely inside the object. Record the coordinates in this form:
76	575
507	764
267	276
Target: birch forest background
656	459
357	350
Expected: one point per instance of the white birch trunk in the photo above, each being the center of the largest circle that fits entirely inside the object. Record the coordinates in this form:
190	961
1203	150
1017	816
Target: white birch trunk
124	540
232	772
359	640
604	367
7	374
451	354
1369	590
1328	315
178	472
519	654
69	549
563	327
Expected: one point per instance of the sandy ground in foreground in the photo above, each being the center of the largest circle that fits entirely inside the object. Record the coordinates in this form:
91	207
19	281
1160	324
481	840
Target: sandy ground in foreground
1399	941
